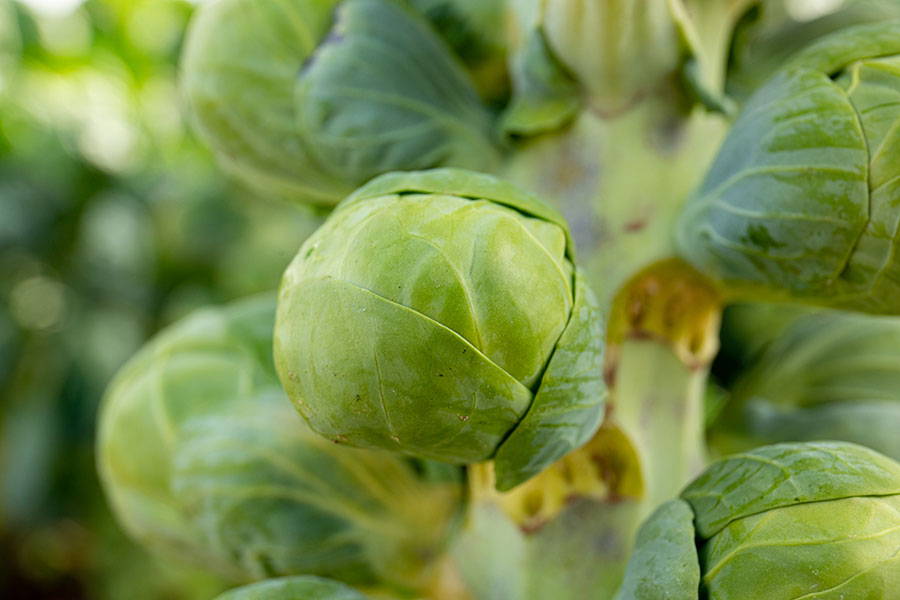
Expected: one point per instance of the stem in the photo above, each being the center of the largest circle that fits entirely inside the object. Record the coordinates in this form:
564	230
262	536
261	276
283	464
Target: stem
659	405
663	336
714	24
621	183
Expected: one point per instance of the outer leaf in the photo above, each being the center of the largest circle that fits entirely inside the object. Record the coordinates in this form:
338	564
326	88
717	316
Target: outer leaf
871	423
474	30
784	475
464	184
617	50
833	53
382	93
664	565
294	588
429	310
768	36
205	365
785	208
545	96
570	401
846	548
422	317
873	87
408	383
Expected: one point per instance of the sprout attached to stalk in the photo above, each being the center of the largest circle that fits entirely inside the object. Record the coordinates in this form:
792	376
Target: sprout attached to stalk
815	520
306	99
440	314
204	460
802	201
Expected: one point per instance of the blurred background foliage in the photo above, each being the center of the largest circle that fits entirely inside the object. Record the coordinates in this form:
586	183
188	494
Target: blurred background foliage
114	222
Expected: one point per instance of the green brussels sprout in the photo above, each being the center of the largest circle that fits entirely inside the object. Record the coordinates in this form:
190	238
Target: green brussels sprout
801	201
306	99
817	521
439	314
204	459
293	588
826	375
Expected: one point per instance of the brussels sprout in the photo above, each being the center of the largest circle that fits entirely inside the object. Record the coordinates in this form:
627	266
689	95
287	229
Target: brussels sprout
816	520
827	375
203	458
293	588
801	201
439	314
306	99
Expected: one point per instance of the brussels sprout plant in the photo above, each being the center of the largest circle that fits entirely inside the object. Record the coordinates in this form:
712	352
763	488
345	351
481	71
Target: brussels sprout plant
765	524
492	361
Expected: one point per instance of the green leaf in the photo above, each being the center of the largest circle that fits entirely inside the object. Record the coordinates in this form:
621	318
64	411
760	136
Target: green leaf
845	548
238	73
618	51
570	401
870	423
799	203
784	475
306	99
833	53
382	93
473	30
464	184
545	96
405	382
664	564
822	375
293	588
422	318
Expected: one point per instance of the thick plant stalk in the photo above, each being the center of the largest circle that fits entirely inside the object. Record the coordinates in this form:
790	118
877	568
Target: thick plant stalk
662	339
565	534
620	183
621	176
